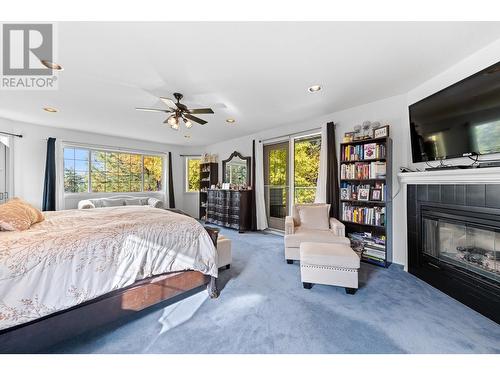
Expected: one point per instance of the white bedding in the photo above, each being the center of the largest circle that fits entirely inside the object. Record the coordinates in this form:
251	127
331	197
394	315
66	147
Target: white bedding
77	255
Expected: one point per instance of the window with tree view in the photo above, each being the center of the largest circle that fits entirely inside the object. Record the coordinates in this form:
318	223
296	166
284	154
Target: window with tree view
98	171
192	175
306	168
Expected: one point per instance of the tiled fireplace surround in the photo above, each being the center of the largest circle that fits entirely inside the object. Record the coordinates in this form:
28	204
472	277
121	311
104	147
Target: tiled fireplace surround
478	205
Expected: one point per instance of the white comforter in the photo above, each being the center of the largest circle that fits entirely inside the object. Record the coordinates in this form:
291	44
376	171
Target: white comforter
77	255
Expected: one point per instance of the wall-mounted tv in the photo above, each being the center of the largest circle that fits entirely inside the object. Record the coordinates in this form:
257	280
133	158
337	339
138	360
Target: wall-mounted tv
460	120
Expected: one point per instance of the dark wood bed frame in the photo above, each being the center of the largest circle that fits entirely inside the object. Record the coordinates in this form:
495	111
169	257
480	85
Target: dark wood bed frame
40	334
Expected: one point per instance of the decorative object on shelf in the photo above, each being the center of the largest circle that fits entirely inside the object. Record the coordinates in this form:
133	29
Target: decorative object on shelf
363	194
381	132
376	194
357	132
344	194
179	112
367	130
348	137
226	186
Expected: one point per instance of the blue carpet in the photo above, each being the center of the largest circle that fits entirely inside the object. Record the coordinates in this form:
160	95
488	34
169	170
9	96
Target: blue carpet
264	309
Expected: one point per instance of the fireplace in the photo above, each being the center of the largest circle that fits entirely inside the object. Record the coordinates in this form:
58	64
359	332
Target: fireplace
454	242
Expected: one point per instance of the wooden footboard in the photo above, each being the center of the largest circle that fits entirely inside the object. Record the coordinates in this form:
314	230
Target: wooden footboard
42	333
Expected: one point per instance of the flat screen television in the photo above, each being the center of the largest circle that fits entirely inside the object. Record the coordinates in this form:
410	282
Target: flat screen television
460	120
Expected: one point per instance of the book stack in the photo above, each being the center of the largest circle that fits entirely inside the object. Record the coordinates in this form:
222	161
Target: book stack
369	246
368	151
363	171
363	215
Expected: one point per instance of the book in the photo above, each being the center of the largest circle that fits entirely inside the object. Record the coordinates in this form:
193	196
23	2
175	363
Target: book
369	151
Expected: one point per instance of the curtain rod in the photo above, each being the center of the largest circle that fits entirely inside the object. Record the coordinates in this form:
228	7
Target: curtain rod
12	134
289	135
182	156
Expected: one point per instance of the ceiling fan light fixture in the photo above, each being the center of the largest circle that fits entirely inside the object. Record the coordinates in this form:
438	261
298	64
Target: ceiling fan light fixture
172	121
314	88
52	65
188	123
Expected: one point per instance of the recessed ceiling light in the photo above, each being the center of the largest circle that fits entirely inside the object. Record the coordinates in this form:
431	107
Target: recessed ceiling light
230	120
314	88
50	109
52	65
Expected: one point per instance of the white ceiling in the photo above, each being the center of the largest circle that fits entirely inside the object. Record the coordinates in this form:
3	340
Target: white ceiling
257	73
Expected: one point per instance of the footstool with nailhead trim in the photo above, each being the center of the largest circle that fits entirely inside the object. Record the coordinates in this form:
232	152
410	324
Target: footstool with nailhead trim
329	264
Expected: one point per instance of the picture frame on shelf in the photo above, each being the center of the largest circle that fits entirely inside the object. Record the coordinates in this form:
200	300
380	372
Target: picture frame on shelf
344	194
376	195
348	137
363	194
381	132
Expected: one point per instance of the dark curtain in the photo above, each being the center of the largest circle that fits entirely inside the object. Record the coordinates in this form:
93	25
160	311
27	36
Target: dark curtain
332	178
49	184
171	198
254	206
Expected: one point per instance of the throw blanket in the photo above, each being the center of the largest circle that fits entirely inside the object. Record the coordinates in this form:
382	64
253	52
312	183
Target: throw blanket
77	255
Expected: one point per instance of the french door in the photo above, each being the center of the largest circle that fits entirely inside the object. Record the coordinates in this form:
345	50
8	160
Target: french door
291	170
276	188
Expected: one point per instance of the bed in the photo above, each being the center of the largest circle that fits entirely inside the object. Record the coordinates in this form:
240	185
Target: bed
79	264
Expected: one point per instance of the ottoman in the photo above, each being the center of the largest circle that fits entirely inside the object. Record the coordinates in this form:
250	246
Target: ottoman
224	257
330	264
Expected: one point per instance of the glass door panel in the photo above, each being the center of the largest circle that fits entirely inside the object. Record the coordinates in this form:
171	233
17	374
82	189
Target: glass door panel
276	186
306	168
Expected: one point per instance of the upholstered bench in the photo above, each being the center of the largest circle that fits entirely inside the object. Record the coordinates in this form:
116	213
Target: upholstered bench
224	257
330	264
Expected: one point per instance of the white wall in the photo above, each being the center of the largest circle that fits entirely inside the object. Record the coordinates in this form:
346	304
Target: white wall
30	151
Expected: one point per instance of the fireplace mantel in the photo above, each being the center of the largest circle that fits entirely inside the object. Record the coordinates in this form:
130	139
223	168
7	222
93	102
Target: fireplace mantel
452	176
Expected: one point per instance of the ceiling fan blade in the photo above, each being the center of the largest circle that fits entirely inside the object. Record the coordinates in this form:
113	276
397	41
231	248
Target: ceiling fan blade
181	106
169	103
195	119
200	110
152	110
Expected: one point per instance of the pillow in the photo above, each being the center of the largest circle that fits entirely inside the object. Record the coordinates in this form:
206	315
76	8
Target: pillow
156	203
315	217
136	202
85	204
112	203
17	215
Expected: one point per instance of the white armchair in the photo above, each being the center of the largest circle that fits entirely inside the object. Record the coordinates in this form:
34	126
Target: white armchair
316	226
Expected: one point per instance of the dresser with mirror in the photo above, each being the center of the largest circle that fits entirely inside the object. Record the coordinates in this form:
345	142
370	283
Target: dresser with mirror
232	207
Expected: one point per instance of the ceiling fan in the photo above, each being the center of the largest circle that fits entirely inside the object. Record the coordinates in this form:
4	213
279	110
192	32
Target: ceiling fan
179	111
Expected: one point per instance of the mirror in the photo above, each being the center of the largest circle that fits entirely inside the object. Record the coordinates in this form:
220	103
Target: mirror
236	169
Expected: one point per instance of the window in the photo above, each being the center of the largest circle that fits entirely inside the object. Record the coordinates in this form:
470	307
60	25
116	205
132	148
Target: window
306	168
192	175
98	171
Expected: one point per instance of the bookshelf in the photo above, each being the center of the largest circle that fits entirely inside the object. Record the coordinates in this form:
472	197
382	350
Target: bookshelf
209	175
366	197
